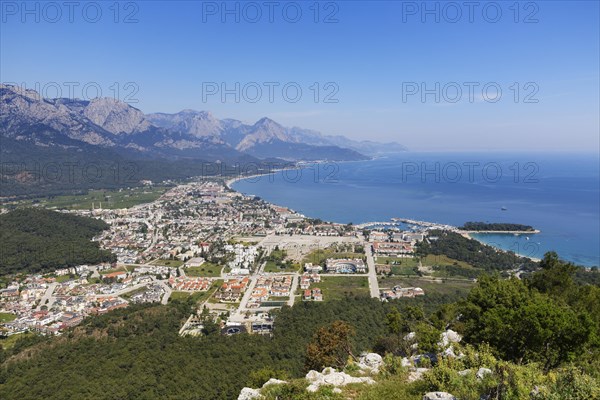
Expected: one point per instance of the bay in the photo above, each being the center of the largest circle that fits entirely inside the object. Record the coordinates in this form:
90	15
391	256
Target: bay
557	193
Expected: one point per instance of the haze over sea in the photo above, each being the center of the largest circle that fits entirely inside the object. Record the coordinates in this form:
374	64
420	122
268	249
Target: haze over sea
556	193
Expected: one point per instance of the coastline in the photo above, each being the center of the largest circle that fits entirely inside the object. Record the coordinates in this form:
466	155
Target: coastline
467	234
229	182
574	245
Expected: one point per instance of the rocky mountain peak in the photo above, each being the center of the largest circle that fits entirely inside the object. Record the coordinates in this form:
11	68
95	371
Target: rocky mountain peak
265	130
116	116
196	123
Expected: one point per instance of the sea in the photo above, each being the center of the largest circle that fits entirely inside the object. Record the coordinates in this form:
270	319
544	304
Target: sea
557	193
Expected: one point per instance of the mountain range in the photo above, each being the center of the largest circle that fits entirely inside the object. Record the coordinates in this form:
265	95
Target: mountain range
41	139
111	124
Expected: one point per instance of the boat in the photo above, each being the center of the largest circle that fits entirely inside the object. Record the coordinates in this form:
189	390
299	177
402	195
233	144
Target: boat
503	208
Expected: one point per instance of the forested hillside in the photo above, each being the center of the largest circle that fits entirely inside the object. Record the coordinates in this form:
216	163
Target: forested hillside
36	240
483	226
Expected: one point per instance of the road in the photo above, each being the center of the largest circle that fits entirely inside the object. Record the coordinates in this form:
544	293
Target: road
238	315
373	284
295	279
168	291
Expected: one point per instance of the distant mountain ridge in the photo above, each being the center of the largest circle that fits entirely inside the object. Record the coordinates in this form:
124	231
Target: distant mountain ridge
265	131
112	124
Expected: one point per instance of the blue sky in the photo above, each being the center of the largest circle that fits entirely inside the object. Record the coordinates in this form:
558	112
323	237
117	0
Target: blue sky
369	56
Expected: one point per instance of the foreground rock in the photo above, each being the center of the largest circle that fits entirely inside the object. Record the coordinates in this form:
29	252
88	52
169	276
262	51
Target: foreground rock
482	372
330	376
249	394
416	374
371	362
448	337
438	396
273	381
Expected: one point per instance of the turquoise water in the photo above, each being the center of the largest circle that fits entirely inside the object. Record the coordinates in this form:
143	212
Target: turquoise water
555	193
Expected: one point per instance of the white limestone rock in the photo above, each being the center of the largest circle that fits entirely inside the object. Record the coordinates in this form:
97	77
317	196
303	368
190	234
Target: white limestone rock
416	374
449	352
438	396
448	337
370	361
273	381
249	394
312	375
483	372
330	376
312	388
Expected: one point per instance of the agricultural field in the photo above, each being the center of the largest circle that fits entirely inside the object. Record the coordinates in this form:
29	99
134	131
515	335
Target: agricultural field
108	199
432	260
442	266
205	270
404	270
335	288
7	317
64	278
398	261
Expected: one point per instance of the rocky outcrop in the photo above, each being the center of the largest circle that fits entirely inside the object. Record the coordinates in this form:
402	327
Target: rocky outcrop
416	374
482	372
273	381
370	362
448	337
263	131
330	376
115	116
195	123
438	396
249	394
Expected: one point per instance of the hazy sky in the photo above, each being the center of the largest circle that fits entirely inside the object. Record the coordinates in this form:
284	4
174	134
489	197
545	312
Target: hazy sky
411	72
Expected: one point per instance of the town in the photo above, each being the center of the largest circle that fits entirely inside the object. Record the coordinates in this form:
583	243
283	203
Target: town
238	257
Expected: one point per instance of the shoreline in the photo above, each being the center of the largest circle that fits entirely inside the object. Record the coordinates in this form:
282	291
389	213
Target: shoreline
301	165
228	183
467	235
533	232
